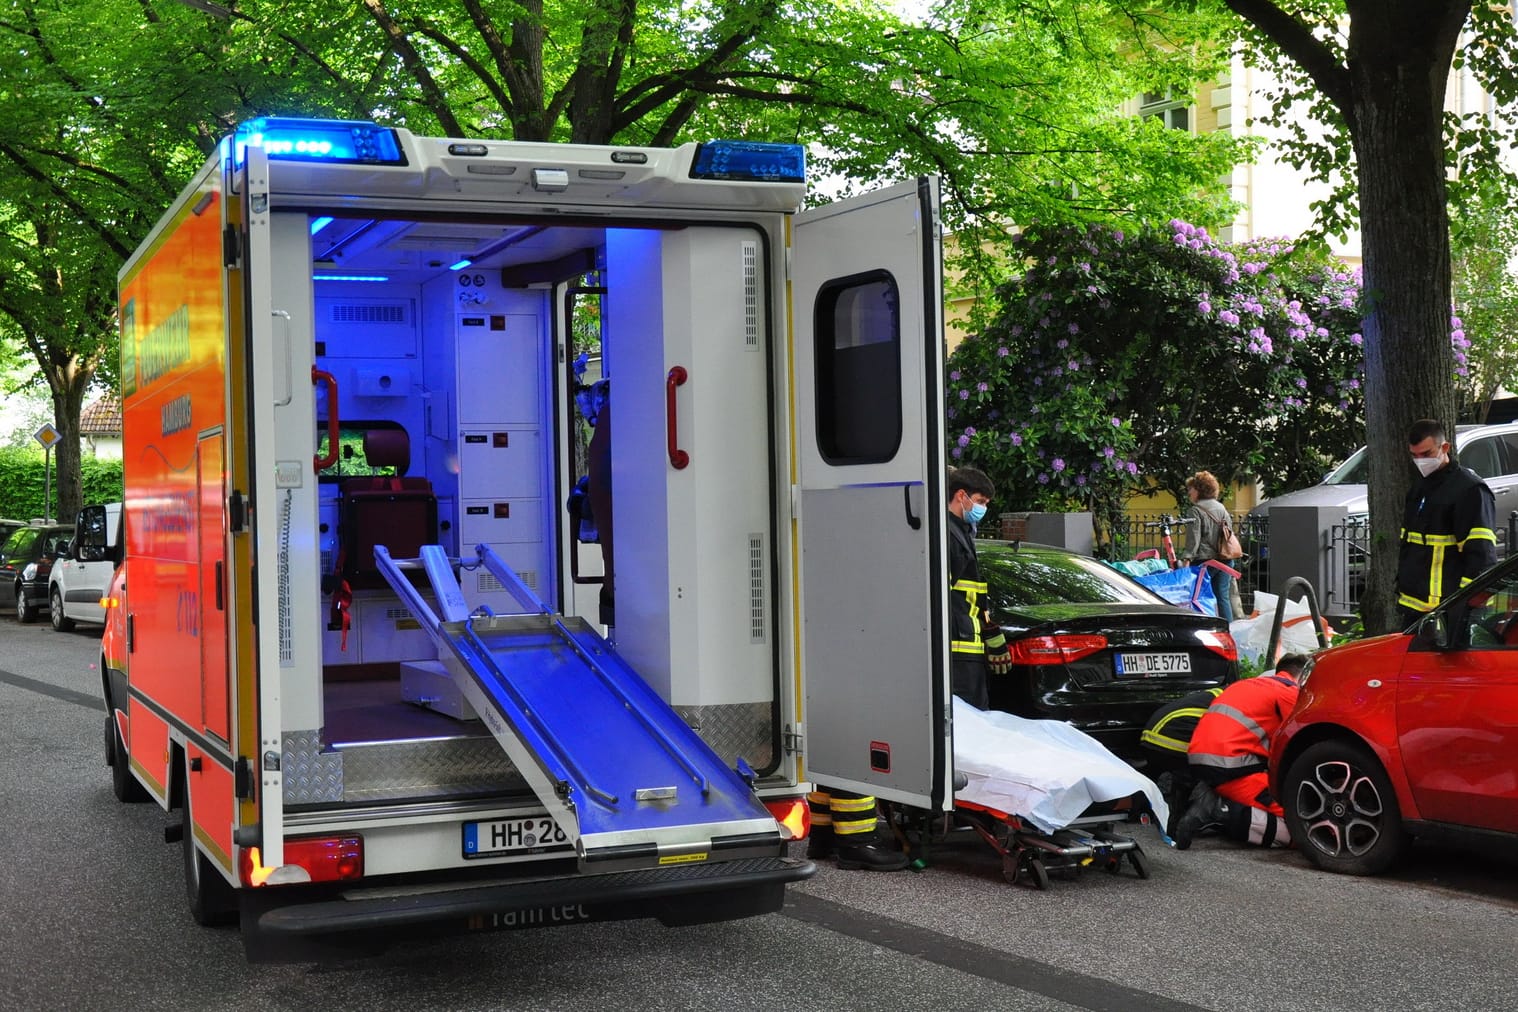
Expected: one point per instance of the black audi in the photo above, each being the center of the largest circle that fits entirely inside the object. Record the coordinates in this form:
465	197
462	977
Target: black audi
1094	647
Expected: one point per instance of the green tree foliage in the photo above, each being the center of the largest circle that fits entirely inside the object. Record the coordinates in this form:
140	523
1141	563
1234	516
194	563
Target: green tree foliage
1121	361
1483	236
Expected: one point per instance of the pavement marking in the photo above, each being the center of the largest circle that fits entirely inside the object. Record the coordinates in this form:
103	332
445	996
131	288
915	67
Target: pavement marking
978	960
67	695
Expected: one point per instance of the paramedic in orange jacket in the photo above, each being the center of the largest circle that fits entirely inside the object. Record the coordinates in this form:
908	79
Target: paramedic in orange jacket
1230	754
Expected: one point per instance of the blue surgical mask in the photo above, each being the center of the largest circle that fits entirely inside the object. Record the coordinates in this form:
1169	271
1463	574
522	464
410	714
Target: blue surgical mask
976	513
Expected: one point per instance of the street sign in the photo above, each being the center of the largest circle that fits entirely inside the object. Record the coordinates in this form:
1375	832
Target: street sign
48	436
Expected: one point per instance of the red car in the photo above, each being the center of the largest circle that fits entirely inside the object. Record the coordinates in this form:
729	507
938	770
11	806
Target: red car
1407	734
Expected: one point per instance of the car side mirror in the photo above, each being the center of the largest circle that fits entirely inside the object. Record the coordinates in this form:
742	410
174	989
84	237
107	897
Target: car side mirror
1433	631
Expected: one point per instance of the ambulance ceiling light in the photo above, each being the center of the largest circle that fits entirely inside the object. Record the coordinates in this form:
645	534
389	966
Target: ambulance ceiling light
751	160
550	180
318	140
460	265
350	277
317	224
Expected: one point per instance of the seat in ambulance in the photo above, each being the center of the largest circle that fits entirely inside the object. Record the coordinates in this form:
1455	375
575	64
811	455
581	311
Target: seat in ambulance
395	511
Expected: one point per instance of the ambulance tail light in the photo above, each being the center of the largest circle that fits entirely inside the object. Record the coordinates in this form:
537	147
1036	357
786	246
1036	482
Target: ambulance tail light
750	160
322	858
795	821
1220	642
1059	649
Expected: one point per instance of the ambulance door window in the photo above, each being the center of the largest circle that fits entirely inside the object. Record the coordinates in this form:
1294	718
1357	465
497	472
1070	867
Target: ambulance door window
858	369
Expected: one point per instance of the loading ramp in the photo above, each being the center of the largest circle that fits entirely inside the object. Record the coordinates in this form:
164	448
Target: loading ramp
621	772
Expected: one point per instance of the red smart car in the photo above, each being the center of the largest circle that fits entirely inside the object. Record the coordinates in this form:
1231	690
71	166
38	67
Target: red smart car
1407	734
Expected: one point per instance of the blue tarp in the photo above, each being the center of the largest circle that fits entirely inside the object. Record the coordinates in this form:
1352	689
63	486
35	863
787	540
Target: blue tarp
1180	586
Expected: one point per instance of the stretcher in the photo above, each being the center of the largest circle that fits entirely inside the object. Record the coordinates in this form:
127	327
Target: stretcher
1044	795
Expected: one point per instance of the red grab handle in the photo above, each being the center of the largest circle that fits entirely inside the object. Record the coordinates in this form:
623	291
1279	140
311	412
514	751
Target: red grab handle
678	458
322	376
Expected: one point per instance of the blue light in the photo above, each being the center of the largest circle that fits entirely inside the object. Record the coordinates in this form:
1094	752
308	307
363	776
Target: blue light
317	224
752	160
318	140
350	277
460	265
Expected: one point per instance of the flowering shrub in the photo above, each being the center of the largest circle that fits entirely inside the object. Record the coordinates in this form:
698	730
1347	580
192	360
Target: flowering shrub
1124	361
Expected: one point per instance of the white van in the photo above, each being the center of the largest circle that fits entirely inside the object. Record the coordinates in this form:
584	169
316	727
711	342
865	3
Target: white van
80	579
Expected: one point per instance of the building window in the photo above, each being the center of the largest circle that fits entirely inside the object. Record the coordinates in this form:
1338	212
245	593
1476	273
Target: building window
858	346
1173	112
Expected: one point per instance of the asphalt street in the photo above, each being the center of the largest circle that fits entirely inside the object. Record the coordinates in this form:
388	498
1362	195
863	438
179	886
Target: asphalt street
94	918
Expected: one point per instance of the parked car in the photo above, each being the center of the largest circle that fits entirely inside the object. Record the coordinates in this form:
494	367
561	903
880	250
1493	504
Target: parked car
1094	647
9	527
26	559
80	579
1407	734
1489	450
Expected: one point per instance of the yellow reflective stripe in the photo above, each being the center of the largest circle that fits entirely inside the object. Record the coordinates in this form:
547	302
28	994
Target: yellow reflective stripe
1416	538
1479	534
971	586
967	647
850	805
1163	741
971	589
1408	601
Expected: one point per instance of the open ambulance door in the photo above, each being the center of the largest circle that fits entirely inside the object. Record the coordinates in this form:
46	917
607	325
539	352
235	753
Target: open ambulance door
866	297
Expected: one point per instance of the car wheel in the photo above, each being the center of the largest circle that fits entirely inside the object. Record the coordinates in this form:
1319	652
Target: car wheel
212	900
25	610
61	622
1342	811
123	784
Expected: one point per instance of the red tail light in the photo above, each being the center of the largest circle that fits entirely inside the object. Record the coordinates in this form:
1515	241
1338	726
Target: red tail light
1060	649
792	815
1220	643
324	858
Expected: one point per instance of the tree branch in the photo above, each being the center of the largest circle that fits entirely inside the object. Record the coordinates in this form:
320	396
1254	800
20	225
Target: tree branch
1296	40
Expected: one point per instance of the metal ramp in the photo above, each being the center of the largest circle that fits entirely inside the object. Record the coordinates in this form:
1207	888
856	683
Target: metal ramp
622	774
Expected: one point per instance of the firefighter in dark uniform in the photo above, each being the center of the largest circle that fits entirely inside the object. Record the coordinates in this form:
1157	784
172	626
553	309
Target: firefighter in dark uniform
1165	741
976	643
1448	527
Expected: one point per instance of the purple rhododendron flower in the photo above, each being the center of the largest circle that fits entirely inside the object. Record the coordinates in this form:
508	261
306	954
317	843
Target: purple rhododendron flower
1062	344
1059	464
954	375
964	395
1204	308
1133	468
1043	478
956	453
1002	352
1017	439
981	387
964	440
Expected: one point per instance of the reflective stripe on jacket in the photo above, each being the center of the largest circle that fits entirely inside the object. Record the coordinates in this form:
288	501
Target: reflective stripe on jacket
967	609
1448	537
1171	726
1232	738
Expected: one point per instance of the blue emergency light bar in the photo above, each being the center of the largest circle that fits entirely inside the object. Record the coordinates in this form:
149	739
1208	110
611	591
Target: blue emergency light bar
322	140
754	160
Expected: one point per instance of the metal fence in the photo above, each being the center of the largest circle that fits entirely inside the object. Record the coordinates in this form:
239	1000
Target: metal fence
1349	554
1141	531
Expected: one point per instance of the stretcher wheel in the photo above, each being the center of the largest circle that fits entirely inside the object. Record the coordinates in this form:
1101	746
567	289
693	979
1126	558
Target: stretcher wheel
1140	862
1113	864
1038	873
1009	869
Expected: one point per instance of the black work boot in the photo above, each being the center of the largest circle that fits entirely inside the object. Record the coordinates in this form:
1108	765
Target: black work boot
819	843
1206	811
871	852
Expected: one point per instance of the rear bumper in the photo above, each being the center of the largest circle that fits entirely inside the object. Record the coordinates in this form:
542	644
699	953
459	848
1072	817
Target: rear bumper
688	894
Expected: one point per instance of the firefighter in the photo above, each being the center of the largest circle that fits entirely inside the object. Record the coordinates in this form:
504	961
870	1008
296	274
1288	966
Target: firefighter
844	827
1166	738
975	642
1448	526
1229	755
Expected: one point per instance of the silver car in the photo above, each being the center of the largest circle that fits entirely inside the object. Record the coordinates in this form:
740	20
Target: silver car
1489	450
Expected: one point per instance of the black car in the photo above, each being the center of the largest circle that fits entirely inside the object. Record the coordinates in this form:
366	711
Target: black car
26	559
1092	646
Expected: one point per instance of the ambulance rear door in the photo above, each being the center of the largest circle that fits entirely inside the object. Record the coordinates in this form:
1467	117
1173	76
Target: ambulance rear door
866	298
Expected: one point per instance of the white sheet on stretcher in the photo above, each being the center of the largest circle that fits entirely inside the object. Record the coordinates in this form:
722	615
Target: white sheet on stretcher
1045	771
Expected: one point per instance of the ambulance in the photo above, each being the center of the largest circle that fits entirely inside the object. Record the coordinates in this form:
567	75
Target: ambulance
357	639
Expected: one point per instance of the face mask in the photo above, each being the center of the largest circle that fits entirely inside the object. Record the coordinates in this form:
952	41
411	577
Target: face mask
1428	465
976	513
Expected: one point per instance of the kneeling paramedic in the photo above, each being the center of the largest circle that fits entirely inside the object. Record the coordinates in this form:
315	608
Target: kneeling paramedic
1230	756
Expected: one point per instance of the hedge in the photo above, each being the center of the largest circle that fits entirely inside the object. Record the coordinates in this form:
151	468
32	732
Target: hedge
23	481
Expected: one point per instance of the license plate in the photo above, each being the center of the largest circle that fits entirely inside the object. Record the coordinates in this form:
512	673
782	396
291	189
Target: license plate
513	836
1153	665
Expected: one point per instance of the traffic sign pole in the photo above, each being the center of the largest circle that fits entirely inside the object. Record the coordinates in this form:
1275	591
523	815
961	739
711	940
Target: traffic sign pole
49	437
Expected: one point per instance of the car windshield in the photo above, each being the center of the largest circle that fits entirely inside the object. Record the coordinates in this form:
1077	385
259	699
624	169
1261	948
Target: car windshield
1028	579
1354	471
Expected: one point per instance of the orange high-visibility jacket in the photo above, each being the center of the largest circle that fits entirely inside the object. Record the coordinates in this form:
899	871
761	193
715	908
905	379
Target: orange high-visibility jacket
1233	737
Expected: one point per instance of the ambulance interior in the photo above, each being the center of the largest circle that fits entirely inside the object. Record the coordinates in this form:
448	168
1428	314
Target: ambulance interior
445	365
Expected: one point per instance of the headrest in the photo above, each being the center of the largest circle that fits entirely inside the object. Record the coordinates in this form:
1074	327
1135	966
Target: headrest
388	448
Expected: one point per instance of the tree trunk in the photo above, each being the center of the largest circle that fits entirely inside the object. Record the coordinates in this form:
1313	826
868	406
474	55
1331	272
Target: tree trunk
69	390
1399	62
